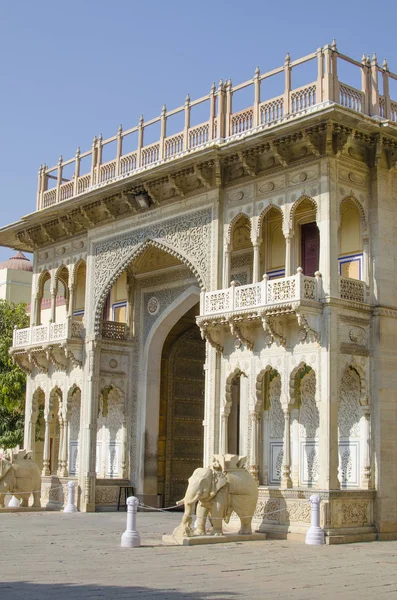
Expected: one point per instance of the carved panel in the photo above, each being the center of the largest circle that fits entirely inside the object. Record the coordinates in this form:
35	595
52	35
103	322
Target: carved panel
188	237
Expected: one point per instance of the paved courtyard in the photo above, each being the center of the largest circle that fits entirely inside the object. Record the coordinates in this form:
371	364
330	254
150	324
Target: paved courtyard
57	556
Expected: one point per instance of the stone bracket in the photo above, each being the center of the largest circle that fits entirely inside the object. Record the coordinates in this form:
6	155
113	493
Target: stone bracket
206	334
236	332
307	331
271	334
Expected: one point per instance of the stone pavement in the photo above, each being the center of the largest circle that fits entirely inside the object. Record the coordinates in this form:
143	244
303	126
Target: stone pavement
65	556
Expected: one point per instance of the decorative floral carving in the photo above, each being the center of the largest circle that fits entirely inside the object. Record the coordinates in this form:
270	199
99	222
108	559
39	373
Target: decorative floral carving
188	237
349	409
309	415
355	513
312	465
346	466
153	306
279	464
299	511
276	414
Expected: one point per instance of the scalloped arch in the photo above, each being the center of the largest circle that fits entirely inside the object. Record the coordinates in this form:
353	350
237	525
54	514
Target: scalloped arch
134	255
364	401
75	268
40	278
228	387
263	215
258	385
302	365
295	206
233	223
358	205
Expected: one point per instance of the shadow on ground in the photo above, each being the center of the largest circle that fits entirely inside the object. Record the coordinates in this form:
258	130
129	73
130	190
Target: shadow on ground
23	590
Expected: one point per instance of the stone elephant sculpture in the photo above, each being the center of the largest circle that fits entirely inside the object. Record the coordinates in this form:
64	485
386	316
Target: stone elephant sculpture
222	488
21	477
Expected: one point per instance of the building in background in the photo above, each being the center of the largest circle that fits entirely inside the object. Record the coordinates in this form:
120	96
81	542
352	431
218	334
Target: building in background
228	288
16	279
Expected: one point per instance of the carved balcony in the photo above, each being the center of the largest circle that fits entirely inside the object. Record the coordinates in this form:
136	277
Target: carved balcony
238	306
274	293
40	346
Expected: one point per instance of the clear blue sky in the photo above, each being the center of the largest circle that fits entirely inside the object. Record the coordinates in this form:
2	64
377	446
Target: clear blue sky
71	70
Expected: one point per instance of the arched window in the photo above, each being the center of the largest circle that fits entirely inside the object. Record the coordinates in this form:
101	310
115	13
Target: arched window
350	241
241	251
273	244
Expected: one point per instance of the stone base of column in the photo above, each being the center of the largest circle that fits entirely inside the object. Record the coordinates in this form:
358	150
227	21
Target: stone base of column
286	483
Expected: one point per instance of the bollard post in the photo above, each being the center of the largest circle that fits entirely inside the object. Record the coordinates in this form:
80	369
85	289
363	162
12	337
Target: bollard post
130	537
14	502
70	507
315	535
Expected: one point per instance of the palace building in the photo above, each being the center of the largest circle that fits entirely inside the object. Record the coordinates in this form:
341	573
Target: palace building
228	288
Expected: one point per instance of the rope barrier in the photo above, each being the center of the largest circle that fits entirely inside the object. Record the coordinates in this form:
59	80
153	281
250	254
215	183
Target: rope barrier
147	506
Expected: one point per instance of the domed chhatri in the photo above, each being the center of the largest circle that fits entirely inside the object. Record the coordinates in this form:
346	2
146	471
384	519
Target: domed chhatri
19	262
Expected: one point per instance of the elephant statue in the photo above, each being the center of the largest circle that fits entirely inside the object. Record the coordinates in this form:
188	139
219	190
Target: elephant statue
222	488
20	476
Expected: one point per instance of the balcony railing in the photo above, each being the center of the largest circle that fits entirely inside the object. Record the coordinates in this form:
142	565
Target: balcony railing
263	294
45	334
352	289
223	123
112	330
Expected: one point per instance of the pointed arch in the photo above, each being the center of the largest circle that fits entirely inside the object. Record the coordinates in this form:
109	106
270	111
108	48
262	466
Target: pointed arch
353	200
136	253
295	206
233	223
41	281
263	215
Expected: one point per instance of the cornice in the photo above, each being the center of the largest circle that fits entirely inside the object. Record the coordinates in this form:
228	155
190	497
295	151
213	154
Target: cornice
324	132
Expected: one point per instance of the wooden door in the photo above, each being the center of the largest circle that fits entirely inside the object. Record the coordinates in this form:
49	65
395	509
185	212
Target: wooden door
185	435
310	251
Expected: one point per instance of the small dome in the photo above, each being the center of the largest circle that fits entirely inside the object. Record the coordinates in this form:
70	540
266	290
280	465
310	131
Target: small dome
19	262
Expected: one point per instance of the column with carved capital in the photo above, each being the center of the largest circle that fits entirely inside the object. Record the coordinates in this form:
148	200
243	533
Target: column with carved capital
286	481
288	253
60	450
71	300
65	448
47	447
366	446
53	304
254	463
226	266
256	274
365	275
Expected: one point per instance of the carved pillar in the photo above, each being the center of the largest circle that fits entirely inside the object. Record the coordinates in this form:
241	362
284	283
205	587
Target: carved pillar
365	275
88	463
265	448
65	448
254	466
123	458
295	448
224	430
256	276
288	254
286	474
60	449
71	300
226	267
366	446
47	447
53	304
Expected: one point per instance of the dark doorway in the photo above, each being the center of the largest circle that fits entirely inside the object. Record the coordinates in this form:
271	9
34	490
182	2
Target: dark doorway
310	250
